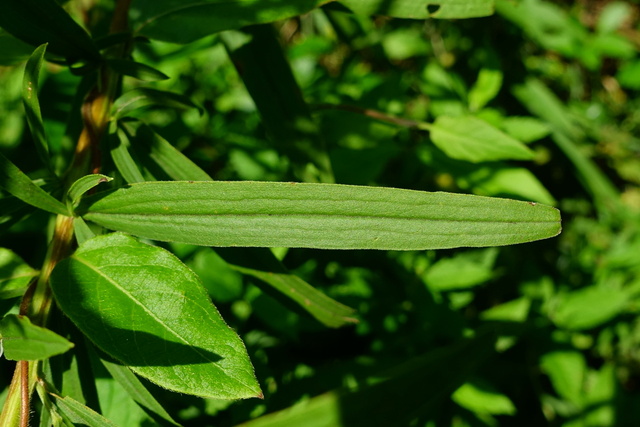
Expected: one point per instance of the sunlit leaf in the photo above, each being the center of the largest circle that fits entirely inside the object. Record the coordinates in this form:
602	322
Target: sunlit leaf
316	216
177	339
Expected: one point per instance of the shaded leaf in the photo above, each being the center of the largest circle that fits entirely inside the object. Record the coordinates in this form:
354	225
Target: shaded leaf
21	186
186	21
136	69
15	274
177	339
261	264
45	21
23	340
316	216
589	307
143	98
32	105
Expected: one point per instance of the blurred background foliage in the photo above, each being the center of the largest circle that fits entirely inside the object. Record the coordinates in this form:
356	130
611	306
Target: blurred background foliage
555	323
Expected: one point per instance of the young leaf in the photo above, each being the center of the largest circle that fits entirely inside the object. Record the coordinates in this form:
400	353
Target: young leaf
141	98
327	216
474	140
143	307
261	264
45	21
135	69
84	184
32	105
20	185
15	274
23	340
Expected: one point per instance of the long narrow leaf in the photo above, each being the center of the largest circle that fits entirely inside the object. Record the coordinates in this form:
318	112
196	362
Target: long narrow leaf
32	105
325	216
275	280
20	185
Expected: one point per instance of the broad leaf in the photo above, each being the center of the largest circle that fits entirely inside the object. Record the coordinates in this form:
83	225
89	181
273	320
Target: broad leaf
474	140
15	274
23	340
32	105
327	216
45	21
143	307
20	185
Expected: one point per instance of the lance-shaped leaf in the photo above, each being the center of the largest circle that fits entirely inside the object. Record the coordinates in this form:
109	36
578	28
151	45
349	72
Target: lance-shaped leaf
278	282
143	98
45	21
20	185
32	105
143	307
136	69
79	414
186	21
15	274
327	216
422	9
23	340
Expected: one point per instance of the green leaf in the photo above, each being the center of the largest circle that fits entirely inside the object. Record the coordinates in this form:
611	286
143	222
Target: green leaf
525	129
589	307
328	216
12	50
84	184
265	71
483	399
153	148
20	185
163	327
474	140
422	9
566	370
119	147
23	340
135	69
134	387
485	88
15	274
44	21
185	21
79	414
143	98
263	265
464	270
400	398
81	230
32	105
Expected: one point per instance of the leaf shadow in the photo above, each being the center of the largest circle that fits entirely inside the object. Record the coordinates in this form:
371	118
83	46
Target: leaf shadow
138	348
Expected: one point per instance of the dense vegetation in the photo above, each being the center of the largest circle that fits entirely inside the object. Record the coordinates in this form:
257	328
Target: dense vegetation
152	155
